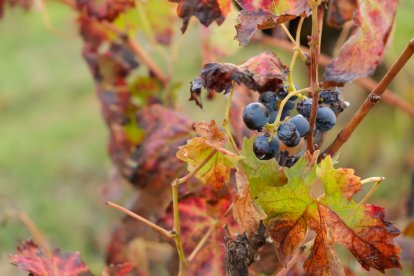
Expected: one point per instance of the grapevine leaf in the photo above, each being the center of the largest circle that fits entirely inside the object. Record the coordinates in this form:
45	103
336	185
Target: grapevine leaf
260	15
341	11
35	260
216	172
366	45
245	211
334	216
104	9
260	173
260	73
207	11
197	216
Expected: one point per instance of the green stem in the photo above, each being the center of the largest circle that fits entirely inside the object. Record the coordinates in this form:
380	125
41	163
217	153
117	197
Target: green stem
377	181
296	52
272	127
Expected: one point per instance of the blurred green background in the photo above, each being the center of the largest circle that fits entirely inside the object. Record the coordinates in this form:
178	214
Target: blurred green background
53	159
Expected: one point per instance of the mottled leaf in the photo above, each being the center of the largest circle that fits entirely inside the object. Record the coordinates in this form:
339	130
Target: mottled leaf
292	210
216	172
197	215
35	260
365	47
104	9
260	73
207	11
261	15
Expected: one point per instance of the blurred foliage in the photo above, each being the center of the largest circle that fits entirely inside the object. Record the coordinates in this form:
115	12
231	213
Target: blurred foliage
53	159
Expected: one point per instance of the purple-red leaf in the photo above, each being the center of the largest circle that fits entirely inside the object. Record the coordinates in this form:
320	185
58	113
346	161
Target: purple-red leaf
207	11
362	52
35	260
260	15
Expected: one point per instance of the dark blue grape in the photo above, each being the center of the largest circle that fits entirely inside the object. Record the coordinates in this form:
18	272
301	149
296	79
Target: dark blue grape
329	96
269	99
325	119
304	107
265	150
288	134
261	146
255	116
301	123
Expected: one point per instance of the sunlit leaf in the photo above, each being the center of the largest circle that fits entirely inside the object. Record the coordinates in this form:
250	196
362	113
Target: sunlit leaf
216	172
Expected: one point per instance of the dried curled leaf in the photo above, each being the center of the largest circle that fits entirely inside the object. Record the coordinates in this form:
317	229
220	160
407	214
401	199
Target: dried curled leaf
207	11
334	216
261	15
35	260
216	172
260	73
366	45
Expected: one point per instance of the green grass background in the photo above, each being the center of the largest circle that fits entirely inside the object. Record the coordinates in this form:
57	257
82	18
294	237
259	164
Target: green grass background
53	159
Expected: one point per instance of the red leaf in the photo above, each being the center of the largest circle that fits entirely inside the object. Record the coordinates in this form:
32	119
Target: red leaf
206	11
119	270
366	45
372	244
33	259
260	15
197	215
104	9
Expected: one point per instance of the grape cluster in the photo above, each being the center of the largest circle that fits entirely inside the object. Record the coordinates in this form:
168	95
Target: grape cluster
284	143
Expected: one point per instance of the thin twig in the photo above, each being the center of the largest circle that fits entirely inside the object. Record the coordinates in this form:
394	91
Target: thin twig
201	243
294	42
373	98
176	213
314	44
295	55
377	181
154	226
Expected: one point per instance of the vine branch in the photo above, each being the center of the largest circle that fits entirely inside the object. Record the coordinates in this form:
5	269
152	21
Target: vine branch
315	40
373	98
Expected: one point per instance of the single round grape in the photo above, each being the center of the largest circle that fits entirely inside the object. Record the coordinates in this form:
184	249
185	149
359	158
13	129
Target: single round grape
269	99
255	116
329	96
289	105
325	119
265	150
304	107
301	123
261	146
288	134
